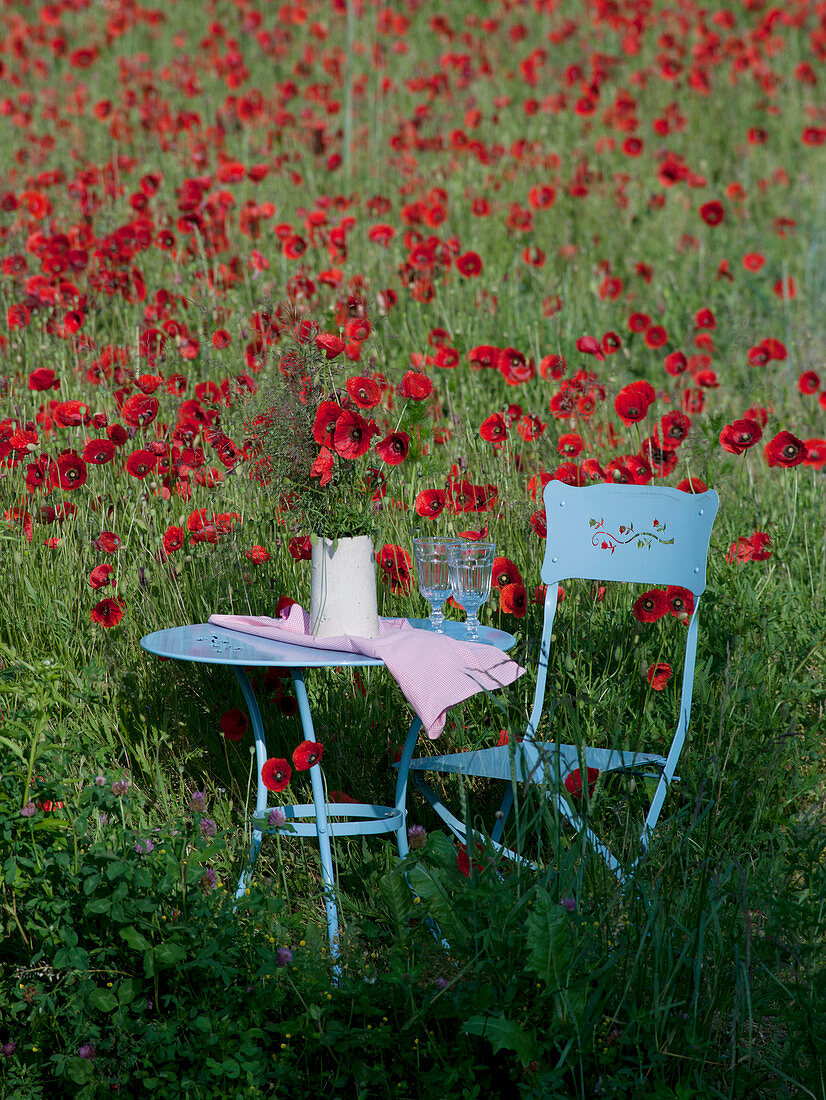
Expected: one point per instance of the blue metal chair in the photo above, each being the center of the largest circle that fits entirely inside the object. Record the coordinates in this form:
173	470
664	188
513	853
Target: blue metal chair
613	533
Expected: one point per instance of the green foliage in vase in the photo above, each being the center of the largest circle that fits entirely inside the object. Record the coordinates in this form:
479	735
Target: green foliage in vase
321	441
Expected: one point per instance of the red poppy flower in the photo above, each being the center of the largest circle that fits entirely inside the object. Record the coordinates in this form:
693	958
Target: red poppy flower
233	724
671	430
140	464
552	366
101	575
675	363
681	602
366	392
353	434
651	606
656	336
307	754
139	410
173	539
325	423
430	502
754	548
785	450
107	613
415	386
71	470
504	573
785	288
808	382
753	261
43	379
633	400
692	485
258	555
394	563
538	522
469	264
659	675
815	453
330	343
514	366
740	435
108	542
69	414
301	548
393	448
513	599
494	429
485	355
530	428
573	781
712	212
589	345
275	774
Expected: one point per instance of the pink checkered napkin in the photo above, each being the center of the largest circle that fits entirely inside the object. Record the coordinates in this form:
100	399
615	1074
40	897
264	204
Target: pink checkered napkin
433	671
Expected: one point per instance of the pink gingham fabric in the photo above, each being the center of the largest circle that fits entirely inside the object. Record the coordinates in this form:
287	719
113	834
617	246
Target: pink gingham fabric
433	671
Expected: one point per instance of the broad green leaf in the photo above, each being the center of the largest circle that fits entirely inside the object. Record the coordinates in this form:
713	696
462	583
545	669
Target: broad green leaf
169	954
549	949
134	939
396	894
503	1034
103	999
15	748
437	902
98	906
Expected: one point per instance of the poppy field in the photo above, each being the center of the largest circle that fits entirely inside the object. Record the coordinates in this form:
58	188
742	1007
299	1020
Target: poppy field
276	270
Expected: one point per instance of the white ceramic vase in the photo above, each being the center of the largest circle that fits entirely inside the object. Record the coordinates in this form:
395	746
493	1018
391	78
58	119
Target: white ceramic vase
343	588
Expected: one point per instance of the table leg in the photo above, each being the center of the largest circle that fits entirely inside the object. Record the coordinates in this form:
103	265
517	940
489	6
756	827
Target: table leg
260	759
322	827
401	782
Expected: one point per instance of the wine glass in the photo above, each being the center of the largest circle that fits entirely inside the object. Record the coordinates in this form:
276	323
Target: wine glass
434	575
471	571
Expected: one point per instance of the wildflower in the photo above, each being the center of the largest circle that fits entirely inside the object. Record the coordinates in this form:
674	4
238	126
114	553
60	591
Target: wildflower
87	1051
208	880
275	774
658	675
108	612
8	1048
233	724
681	601
754	548
276	818
283	956
197	802
307	755
568	904
785	450
208	828
100	780
28	810
144	847
416	837
121	786
651	606
573	781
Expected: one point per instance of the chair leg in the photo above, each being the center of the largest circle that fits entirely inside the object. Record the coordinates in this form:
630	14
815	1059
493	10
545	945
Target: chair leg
502	816
246	874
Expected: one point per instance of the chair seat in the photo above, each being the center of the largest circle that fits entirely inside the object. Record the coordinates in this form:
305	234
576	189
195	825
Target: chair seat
552	761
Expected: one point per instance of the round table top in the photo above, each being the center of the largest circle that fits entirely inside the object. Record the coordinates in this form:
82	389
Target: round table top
214	645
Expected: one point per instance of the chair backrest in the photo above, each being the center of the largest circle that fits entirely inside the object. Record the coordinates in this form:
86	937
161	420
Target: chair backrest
633	533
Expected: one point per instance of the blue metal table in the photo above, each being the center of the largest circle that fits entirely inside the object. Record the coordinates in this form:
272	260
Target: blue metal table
207	644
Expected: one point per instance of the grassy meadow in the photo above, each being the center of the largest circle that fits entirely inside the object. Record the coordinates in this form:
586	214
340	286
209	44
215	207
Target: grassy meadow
538	240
